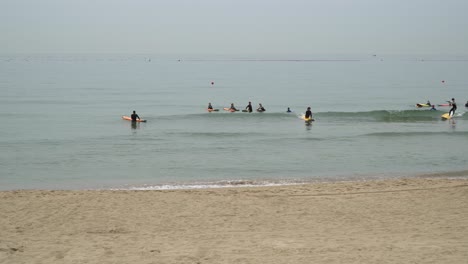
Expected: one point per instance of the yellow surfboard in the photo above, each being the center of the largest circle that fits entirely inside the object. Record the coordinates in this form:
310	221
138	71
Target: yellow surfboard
446	116
309	119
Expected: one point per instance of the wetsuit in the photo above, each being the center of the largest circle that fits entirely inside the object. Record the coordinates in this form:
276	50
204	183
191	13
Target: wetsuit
308	114
452	110
134	117
249	108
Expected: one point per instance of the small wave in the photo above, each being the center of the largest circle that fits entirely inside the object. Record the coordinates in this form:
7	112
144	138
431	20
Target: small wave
384	115
212	185
417	134
387	116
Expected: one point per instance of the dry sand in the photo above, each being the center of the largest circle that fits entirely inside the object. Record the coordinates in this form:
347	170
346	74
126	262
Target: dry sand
391	221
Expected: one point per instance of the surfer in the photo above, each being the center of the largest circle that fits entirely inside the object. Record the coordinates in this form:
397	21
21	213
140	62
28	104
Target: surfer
233	108
466	105
308	113
454	107
249	107
428	103
134	116
210	107
288	111
260	108
433	108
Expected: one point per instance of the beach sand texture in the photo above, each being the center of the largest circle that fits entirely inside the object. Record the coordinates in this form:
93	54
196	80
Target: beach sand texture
390	221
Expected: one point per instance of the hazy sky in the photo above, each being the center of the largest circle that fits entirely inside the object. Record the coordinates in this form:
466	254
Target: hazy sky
234	26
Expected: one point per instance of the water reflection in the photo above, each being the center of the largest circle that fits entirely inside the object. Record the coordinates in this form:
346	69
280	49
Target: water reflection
135	125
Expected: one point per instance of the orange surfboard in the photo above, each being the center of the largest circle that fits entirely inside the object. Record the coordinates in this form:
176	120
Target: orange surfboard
130	119
229	109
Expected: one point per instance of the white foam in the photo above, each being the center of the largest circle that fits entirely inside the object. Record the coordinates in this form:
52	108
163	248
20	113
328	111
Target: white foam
215	185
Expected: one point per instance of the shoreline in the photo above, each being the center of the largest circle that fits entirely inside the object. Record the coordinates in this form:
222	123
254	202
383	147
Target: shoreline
420	220
250	183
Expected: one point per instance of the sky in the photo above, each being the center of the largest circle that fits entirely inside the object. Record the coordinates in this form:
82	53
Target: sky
234	26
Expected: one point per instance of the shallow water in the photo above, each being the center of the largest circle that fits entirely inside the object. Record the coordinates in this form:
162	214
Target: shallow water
64	129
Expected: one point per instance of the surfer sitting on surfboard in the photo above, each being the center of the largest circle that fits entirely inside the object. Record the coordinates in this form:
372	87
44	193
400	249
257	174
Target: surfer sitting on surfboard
233	108
466	105
454	107
210	108
249	107
260	108
134	116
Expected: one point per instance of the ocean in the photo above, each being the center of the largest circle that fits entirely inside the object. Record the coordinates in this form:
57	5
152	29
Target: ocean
63	126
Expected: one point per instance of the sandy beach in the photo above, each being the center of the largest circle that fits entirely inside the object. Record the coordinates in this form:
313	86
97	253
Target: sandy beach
391	221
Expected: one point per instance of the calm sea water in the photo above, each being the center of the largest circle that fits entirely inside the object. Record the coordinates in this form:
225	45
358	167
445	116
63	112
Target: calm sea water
63	126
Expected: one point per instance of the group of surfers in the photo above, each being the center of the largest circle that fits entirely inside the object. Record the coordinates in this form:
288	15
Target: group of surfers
260	108
451	103
308	113
232	108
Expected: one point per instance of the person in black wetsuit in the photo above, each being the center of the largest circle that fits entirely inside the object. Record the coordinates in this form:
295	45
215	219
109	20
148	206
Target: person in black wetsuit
210	107
233	108
308	113
466	105
249	107
260	108
135	117
454	107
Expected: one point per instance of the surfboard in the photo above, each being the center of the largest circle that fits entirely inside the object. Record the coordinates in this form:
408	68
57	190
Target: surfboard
446	116
423	105
229	109
130	119
212	110
307	120
260	110
443	105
